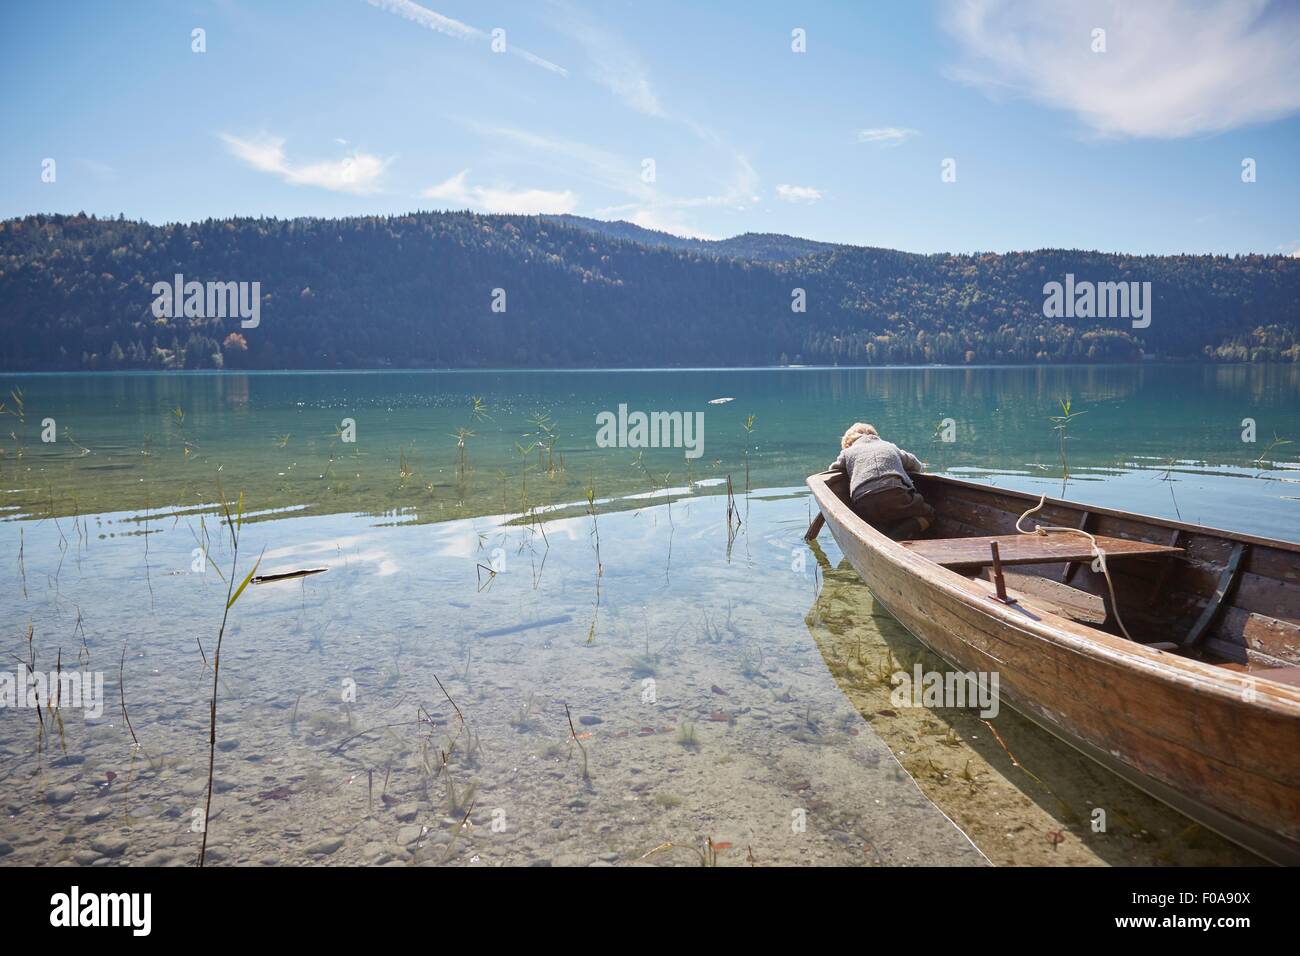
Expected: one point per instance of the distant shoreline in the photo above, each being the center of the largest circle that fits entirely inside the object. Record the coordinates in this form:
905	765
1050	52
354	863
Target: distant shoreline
649	369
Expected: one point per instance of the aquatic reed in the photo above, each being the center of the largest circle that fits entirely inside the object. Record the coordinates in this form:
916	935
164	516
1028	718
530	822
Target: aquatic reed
525	720
707	851
748	425
404	469
1061	425
462	435
233	525
545	438
1268	450
79	630
30	664
19	411
121	692
1167	476
600	567
586	774
464	799
733	517
56	712
751	664
456	833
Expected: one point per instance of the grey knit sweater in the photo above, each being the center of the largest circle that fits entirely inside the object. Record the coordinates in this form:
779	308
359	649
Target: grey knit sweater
871	461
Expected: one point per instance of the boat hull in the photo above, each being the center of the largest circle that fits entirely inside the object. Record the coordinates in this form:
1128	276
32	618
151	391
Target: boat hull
1222	747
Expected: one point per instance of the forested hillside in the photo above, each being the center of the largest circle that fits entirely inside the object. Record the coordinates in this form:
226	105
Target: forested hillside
418	291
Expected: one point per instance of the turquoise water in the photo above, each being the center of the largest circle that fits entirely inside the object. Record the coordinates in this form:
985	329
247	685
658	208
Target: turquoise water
144	441
495	574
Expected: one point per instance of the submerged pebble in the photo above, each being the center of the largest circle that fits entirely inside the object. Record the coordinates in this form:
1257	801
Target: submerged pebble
325	847
110	844
409	834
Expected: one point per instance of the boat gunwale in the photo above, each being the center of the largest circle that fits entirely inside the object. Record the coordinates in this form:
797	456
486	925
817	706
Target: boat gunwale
1115	513
1093	643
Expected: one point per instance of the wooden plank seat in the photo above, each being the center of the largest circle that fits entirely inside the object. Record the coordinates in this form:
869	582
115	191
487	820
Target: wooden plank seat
966	553
1051	596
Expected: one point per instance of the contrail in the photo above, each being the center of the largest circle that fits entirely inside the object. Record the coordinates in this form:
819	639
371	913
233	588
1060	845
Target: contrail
455	28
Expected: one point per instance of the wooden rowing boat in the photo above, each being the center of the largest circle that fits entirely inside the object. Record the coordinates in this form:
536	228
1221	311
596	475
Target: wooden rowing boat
1200	708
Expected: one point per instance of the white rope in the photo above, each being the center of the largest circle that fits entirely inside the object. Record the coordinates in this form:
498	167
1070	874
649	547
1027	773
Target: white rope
1098	555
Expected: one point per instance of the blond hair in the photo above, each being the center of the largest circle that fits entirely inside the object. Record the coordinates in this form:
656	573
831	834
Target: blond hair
856	431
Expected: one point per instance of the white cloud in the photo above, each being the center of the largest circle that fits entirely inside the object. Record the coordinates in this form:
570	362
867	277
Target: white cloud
457	193
461	31
738	191
885	135
614	65
623	175
652	219
357	172
265	154
806	194
560	155
1171	69
428	19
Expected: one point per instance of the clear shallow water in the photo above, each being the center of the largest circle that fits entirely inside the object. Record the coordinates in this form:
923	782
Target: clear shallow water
765	656
746	728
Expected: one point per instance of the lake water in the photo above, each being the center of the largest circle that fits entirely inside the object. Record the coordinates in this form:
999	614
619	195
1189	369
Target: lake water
725	681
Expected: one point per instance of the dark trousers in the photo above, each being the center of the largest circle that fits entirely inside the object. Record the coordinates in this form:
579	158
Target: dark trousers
898	511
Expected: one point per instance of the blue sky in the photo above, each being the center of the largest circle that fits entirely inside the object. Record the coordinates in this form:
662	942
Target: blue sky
344	107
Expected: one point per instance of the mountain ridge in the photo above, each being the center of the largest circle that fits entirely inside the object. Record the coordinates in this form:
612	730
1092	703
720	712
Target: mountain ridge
418	290
772	246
